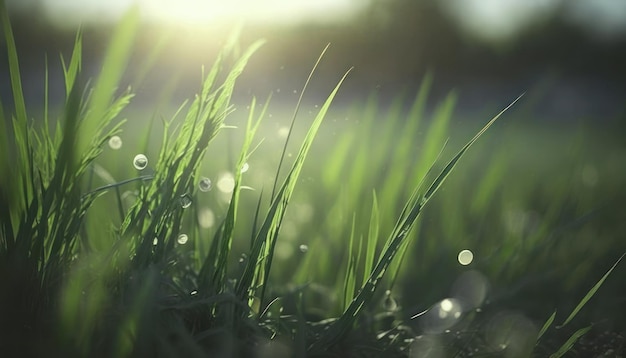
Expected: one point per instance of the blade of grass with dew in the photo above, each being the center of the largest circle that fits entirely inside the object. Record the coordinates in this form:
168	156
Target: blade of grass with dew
176	166
339	328
220	265
255	274
591	293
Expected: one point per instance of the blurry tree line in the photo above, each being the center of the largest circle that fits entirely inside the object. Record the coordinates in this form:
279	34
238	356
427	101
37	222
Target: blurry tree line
392	43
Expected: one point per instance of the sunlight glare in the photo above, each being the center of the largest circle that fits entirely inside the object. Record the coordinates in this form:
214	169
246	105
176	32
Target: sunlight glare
205	12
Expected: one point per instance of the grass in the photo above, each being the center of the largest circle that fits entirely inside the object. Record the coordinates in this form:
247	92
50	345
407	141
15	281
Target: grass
91	265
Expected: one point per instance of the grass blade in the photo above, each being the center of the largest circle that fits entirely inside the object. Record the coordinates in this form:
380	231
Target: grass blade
546	325
591	292
570	342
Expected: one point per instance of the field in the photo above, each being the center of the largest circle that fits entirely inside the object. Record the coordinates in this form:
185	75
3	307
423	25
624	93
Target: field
233	227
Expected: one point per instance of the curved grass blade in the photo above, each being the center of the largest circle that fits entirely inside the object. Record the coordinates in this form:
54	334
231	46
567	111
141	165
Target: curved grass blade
256	271
409	214
570	342
591	292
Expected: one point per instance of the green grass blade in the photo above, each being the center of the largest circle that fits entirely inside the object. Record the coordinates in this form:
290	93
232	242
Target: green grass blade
448	168
570	342
108	81
372	238
294	116
546	325
351	269
591	292
257	269
410	213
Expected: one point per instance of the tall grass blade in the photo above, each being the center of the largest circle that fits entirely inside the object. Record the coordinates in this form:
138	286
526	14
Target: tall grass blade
591	292
570	342
414	207
546	325
256	272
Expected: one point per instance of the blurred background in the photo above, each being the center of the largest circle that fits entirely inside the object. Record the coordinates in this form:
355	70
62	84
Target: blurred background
539	200
490	51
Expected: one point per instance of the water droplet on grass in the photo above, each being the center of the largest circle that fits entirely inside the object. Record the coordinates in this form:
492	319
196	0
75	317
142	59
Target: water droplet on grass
245	167
303	248
465	257
205	184
155	241
185	201
115	142
140	162
182	239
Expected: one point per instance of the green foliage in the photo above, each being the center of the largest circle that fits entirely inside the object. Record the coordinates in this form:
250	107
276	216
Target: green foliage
128	284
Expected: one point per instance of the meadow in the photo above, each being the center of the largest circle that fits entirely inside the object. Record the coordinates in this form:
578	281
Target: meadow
304	229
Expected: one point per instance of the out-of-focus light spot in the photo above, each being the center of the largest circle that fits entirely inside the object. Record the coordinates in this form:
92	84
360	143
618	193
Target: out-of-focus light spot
520	222
206	218
441	316
115	142
465	257
283	250
470	289
283	132
497	20
603	18
226	183
512	333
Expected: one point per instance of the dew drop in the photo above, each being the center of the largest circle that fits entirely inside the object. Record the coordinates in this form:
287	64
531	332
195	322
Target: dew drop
115	142
155	241
245	167
193	293
465	257
205	184
182	239
185	201
304	248
140	162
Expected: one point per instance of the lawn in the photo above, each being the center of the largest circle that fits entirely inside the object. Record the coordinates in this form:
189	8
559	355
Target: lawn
233	227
